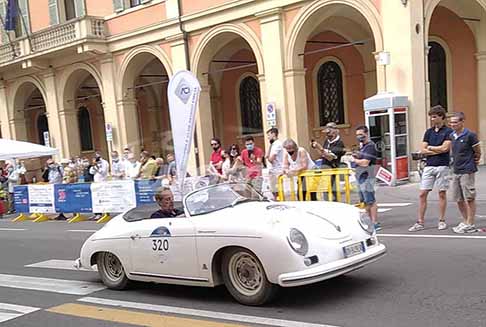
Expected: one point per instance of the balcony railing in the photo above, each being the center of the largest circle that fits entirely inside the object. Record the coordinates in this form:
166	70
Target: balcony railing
84	29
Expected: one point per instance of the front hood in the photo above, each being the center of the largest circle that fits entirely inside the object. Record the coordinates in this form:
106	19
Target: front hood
322	219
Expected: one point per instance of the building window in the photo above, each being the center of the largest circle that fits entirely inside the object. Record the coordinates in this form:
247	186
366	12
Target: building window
42	126
70	9
437	75
250	106
134	3
84	123
330	92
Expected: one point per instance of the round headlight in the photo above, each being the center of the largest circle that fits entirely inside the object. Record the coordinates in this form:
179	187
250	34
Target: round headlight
298	242
366	223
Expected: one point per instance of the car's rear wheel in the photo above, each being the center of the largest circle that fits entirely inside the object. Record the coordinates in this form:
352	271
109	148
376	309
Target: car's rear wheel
111	271
245	278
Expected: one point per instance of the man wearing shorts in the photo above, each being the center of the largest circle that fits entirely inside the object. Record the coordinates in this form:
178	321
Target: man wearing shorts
436	145
365	162
466	152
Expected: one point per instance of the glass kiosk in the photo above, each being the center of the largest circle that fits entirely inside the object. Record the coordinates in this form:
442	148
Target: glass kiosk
386	117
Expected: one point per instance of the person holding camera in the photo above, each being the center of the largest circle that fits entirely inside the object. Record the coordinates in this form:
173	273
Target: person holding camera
100	168
252	158
331	151
333	148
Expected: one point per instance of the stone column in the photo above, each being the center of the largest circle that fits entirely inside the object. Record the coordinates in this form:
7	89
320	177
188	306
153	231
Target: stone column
18	129
127	126
62	119
121	113
298	122
273	83
4	112
481	58
404	38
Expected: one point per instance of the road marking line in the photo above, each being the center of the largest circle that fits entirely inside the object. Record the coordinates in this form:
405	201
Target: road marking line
62	286
379	210
394	204
201	313
12	311
82	230
12	229
132	317
432	236
58	264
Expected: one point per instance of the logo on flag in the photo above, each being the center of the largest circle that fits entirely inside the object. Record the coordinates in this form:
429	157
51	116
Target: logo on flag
183	91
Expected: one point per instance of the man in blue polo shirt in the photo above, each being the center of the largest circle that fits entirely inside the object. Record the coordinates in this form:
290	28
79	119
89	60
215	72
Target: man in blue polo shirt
436	146
466	152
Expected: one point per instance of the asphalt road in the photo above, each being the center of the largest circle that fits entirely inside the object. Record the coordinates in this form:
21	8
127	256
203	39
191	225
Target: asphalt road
430	279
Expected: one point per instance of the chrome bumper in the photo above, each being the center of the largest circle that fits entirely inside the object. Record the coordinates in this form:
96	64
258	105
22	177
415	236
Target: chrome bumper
332	269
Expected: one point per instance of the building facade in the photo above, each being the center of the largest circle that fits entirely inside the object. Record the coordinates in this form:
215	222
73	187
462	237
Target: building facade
72	66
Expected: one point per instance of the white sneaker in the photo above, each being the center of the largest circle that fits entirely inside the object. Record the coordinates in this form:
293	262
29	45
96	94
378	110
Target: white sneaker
416	227
458	227
461	228
442	225
470	229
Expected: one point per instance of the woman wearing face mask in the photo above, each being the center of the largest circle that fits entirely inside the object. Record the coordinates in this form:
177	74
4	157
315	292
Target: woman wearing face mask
233	168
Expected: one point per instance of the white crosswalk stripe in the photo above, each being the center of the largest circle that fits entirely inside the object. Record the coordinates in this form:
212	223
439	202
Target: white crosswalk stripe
62	286
12	311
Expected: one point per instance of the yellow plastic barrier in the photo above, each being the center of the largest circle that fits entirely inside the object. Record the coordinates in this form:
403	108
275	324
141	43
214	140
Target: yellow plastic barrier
77	218
41	218
22	217
104	219
319	183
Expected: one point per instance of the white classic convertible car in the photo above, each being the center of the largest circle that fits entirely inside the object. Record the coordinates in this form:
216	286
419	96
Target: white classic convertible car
230	234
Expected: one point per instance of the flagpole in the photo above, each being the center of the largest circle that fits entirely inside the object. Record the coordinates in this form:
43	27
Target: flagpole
8	37
27	32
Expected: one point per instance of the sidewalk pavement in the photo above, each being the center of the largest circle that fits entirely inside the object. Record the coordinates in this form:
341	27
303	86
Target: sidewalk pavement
399	219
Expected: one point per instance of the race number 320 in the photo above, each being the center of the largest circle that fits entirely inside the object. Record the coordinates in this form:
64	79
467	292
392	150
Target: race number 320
160	245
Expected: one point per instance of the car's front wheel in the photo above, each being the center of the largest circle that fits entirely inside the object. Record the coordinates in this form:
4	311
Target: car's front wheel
111	271
245	278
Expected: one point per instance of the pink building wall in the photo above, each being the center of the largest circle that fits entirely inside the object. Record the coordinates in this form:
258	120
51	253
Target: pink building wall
451	28
191	6
99	7
39	14
136	19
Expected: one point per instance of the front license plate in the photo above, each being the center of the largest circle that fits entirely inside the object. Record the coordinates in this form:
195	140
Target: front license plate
353	249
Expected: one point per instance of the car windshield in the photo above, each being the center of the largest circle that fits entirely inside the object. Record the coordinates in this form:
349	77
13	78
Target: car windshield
218	197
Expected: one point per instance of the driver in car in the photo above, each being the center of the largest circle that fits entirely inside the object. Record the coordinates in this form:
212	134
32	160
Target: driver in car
165	199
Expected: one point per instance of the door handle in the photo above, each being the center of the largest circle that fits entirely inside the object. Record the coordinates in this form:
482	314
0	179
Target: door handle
133	237
206	231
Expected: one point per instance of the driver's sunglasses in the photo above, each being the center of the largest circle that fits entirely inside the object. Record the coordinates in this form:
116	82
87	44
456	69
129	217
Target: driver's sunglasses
214	144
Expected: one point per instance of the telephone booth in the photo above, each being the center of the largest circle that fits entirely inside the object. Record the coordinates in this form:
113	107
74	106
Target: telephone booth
386	117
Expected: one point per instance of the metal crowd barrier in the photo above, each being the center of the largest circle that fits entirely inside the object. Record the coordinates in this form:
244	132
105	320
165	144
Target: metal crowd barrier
319	184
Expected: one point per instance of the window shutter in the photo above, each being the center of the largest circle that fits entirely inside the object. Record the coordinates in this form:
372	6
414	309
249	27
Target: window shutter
3	11
53	12
25	21
80	8
118	5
